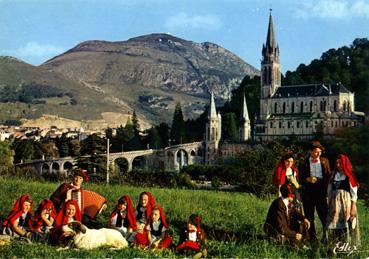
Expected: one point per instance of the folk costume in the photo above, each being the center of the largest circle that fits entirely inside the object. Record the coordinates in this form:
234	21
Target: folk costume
44	225
278	221
62	219
192	242
124	221
144	213
155	231
314	193
17	217
342	192
68	191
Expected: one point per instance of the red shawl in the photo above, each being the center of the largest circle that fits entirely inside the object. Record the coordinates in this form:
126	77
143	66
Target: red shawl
130	212
17	211
62	219
162	217
149	206
279	176
346	165
38	221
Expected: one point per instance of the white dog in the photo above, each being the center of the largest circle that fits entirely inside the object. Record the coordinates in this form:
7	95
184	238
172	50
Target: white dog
86	238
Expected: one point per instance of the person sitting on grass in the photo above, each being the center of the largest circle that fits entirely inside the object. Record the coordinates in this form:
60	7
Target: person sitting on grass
277	225
143	210
19	221
192	239
70	212
155	232
123	217
44	218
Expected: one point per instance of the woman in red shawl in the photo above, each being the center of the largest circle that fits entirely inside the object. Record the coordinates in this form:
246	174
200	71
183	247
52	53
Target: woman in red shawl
70	212
123	217
44	217
192	238
286	173
342	219
19	221
156	231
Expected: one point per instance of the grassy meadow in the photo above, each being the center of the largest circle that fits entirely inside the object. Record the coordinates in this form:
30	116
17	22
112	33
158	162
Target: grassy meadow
233	222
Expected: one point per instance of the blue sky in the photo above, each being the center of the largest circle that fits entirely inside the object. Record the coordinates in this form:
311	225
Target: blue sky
37	30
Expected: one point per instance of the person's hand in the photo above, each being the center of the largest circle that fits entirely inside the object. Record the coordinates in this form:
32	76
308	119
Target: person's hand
307	223
353	212
311	179
298	236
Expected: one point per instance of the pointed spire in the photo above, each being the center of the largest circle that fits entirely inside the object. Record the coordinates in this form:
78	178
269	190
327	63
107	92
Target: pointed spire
212	111
245	113
270	42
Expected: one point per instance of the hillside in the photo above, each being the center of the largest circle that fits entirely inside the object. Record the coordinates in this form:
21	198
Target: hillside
152	72
28	92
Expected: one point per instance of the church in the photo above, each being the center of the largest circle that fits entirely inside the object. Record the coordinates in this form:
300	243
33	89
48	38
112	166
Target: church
300	111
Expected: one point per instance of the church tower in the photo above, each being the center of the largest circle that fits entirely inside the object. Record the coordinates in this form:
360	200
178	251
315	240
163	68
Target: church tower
213	132
270	69
245	127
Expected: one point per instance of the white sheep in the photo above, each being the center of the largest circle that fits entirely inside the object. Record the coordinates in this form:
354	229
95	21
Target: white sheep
85	238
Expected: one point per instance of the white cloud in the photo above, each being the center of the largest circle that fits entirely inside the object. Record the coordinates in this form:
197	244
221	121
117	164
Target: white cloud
334	9
183	20
34	49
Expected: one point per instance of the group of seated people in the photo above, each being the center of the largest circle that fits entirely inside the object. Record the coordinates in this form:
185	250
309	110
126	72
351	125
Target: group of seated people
144	226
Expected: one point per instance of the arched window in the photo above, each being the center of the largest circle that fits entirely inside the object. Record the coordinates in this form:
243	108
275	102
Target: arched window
324	105
311	106
344	106
275	108
335	105
302	107
284	107
321	106
293	107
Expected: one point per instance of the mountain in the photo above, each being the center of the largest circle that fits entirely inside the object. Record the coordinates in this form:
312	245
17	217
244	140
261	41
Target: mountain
148	74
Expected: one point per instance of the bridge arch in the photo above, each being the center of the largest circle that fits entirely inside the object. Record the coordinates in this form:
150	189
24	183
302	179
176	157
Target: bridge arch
181	158
67	168
55	168
139	162
45	168
121	164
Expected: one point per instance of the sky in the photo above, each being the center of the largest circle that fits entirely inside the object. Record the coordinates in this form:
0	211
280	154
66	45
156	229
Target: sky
37	30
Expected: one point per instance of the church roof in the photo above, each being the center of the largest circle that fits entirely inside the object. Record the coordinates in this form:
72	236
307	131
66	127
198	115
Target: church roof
309	90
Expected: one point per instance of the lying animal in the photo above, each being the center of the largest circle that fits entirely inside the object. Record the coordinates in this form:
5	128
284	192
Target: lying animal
86	238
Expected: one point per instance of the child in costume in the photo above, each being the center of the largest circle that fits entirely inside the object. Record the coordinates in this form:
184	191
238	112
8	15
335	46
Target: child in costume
143	209
19	221
70	212
123	217
44	218
156	231
192	238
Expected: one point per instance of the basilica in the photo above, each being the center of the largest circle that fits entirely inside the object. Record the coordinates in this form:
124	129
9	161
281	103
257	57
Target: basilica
300	111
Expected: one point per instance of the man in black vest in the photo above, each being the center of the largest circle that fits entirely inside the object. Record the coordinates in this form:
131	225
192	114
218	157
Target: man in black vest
314	177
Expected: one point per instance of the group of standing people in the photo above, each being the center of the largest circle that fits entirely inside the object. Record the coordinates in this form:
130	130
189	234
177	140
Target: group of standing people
311	187
143	226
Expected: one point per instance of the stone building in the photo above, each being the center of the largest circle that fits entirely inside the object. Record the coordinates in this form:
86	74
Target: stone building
300	111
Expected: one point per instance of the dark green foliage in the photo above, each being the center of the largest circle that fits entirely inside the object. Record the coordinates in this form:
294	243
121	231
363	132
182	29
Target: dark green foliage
229	127
6	157
347	65
163	131
177	132
154	139
29	93
26	150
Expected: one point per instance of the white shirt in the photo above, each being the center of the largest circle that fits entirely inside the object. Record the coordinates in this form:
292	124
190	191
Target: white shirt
353	190
192	236
316	168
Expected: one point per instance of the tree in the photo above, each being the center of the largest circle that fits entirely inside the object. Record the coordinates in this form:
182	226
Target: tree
229	127
177	133
163	131
135	123
62	145
154	139
6	157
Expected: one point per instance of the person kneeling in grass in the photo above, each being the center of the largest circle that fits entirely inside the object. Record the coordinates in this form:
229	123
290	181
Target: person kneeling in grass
19	221
192	239
44	219
277	225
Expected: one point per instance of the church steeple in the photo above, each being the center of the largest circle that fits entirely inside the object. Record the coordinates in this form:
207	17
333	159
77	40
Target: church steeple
212	111
270	68
245	127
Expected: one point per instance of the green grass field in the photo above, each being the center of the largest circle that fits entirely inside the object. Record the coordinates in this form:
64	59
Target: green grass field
233	222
